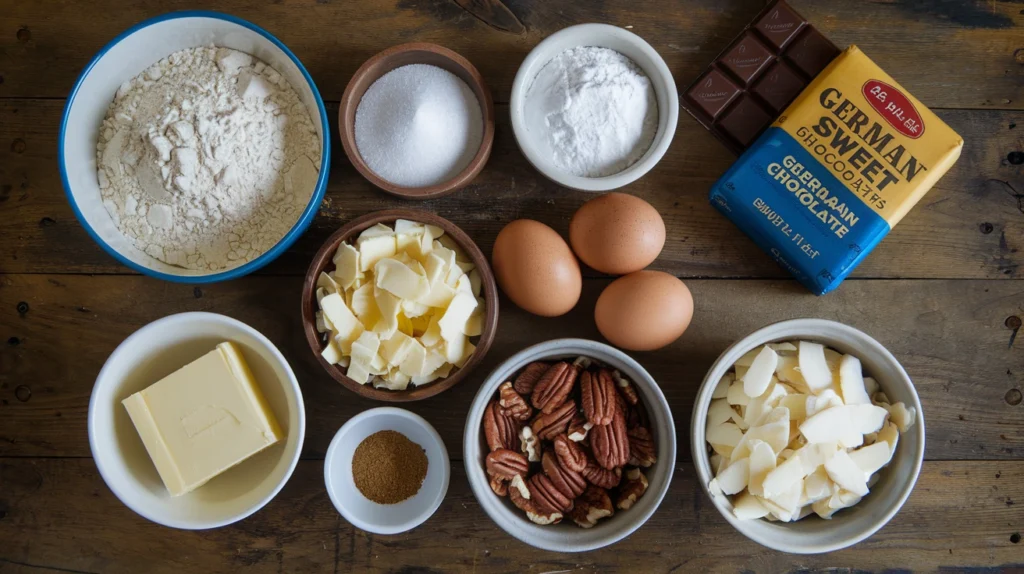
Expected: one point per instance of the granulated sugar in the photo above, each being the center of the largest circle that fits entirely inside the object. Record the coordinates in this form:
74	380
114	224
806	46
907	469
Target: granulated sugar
593	110
418	125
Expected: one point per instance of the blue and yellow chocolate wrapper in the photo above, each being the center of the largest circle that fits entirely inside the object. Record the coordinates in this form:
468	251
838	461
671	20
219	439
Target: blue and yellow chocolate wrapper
836	171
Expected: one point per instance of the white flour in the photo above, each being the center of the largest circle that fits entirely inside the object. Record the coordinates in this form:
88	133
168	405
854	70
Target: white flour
593	109
207	159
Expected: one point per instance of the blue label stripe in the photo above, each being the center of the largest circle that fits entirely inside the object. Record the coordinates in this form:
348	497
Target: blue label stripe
792	206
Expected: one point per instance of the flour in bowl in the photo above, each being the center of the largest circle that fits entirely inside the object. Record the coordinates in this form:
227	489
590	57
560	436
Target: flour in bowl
207	159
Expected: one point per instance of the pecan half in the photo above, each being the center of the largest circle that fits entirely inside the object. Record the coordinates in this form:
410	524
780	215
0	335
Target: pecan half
500	431
499	486
549	425
519	494
505	463
641	447
578	428
544	519
569	454
530	444
545	496
626	388
637	417
554	387
527	379
583	362
633	487
601	476
511	404
610	443
568	482
593	505
597	396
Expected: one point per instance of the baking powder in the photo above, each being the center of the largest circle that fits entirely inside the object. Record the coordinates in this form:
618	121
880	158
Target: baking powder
593	110
418	125
207	159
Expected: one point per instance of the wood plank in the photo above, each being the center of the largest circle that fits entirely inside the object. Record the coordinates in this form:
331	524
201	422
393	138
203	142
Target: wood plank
961	515
949	54
970	226
950	335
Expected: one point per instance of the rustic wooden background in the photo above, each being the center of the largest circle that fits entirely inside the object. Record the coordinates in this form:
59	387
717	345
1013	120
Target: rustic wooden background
945	292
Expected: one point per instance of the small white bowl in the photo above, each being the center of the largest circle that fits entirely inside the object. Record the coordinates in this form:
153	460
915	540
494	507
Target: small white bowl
124	58
150	354
567	536
364	513
849	526
627	44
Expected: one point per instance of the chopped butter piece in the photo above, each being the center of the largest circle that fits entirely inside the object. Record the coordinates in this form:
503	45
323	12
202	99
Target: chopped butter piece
374	249
346	265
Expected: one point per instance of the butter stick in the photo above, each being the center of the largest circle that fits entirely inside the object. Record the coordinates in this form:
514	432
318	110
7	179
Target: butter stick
203	419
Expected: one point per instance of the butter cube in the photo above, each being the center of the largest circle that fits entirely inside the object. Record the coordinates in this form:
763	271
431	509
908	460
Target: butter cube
203	419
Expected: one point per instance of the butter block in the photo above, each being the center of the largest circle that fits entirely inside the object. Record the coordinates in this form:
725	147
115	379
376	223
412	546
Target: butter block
203	419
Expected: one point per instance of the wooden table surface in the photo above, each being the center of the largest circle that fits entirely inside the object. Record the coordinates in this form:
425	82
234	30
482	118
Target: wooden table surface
944	291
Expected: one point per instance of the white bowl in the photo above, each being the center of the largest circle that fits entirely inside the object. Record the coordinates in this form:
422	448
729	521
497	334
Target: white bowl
851	525
124	58
155	351
567	536
631	46
364	513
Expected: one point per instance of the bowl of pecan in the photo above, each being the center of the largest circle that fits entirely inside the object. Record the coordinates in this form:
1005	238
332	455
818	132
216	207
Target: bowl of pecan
570	445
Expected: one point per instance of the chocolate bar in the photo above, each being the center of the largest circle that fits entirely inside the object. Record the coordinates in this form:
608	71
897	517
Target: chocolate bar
758	75
849	157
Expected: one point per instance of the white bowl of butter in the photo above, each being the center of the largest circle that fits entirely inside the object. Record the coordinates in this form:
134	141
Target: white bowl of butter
196	437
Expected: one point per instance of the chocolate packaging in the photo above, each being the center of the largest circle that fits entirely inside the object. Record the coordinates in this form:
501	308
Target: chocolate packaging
842	165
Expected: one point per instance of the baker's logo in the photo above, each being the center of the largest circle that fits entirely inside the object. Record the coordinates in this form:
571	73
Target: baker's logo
895	107
712	96
775	25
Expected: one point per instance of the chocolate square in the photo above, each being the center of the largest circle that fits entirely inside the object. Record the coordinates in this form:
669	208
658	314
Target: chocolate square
713	92
747	58
780	25
811	52
779	86
745	120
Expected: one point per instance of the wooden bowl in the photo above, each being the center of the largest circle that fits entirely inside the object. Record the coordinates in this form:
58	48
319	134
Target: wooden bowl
403	55
323	261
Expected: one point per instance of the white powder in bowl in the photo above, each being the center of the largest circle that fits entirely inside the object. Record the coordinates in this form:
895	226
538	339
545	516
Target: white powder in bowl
418	125
207	159
594	111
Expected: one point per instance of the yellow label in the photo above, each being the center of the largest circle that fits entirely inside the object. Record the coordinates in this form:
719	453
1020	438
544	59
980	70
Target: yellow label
872	135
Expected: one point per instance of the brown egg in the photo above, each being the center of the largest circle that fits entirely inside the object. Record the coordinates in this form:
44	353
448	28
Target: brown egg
536	269
643	311
617	233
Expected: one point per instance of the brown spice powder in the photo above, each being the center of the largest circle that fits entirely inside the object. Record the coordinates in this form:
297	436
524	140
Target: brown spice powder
388	467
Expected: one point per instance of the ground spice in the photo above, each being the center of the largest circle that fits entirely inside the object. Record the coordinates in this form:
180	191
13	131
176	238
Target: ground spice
388	467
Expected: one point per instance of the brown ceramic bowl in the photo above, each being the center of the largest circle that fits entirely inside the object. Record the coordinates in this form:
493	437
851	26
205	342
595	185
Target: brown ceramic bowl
323	261
403	55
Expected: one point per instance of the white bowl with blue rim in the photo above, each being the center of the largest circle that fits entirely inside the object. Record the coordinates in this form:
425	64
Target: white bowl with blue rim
124	58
